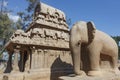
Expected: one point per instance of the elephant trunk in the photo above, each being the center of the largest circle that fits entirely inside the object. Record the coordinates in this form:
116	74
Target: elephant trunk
75	46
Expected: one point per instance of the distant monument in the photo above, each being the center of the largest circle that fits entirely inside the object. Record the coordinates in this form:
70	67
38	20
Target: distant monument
42	52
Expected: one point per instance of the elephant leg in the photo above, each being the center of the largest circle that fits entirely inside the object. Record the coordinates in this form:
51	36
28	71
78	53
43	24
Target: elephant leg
115	67
114	60
94	62
76	54
76	60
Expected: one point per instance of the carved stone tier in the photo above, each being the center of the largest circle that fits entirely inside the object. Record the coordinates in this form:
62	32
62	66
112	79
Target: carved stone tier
49	16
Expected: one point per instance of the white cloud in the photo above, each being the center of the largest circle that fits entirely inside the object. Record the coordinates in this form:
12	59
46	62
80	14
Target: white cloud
5	3
13	17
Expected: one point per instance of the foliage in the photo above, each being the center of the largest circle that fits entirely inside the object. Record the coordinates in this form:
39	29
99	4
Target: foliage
6	25
18	24
27	15
68	21
6	28
117	39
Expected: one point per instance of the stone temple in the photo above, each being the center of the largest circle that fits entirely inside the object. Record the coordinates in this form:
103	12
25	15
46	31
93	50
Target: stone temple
43	49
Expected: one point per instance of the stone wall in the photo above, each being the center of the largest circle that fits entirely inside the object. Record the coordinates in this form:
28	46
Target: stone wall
52	59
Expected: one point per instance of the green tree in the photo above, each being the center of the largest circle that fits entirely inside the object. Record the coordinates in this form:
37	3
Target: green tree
6	28
27	15
6	24
117	39
18	24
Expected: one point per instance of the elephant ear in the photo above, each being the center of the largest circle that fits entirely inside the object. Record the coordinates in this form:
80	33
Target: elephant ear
91	31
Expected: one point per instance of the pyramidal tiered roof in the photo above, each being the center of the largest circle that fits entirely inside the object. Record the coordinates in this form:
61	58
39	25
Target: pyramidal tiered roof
48	28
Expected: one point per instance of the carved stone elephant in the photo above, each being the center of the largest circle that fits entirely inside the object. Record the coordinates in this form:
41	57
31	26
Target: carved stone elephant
97	42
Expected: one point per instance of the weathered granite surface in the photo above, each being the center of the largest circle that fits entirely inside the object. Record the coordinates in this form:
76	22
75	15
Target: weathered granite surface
108	76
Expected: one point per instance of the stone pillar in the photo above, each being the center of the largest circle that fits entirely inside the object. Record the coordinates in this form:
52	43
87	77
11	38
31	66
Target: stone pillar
24	64
15	62
9	63
45	59
22	60
28	63
33	58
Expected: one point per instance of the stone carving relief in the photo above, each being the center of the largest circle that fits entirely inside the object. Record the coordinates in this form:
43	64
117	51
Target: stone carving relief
37	36
49	37
42	36
20	37
48	15
44	58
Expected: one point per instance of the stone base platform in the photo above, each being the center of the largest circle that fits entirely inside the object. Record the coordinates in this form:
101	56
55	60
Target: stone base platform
108	76
42	74
89	78
24	76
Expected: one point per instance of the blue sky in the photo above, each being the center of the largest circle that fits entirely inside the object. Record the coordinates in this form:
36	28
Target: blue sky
104	13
